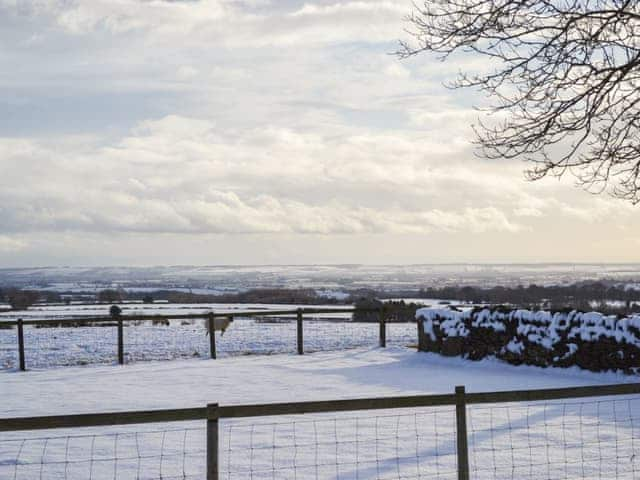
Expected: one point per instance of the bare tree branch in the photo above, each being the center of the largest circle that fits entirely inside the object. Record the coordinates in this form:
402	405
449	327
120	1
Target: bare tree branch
566	81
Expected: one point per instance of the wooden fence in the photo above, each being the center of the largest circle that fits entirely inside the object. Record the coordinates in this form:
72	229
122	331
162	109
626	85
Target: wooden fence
212	413
119	321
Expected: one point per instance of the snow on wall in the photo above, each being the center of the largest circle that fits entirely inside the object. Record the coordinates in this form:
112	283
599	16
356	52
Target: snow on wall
590	340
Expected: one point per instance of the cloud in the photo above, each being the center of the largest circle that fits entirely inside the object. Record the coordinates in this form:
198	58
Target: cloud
10	245
185	175
229	22
193	119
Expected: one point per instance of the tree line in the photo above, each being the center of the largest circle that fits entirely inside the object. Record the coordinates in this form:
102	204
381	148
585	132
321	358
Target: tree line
581	296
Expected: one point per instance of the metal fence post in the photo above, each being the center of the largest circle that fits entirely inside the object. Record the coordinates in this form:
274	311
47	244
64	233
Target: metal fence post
212	441
461	432
300	332
21	344
383	329
212	335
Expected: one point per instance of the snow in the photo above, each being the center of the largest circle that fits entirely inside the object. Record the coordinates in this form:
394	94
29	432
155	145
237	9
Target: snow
366	445
334	294
48	347
540	327
451	321
263	379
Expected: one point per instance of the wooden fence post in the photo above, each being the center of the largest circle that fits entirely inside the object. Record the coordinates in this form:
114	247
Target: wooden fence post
461	432
212	335
383	329
420	334
212	441
300	332
21	344
115	313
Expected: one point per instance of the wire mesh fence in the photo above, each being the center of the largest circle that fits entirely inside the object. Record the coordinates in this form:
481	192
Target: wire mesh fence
556	440
403	334
339	335
60	346
67	343
406	445
396	438
155	453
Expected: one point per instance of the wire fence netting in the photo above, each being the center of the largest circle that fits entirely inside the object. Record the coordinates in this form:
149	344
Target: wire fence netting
148	454
556	440
173	339
542	440
385	446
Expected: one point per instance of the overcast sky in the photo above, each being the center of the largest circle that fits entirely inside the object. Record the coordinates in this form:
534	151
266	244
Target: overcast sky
229	131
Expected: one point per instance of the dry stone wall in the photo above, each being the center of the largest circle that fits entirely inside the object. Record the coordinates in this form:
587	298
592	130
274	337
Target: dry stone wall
590	340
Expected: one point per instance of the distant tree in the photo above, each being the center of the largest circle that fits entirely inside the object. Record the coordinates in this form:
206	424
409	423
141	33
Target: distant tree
147	299
115	311
111	295
21	299
52	297
564	77
365	309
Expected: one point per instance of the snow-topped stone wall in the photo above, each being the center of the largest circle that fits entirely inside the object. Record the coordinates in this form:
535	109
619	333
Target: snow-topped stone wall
592	341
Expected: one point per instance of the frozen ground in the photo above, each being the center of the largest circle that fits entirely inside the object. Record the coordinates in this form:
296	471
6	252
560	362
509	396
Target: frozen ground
588	438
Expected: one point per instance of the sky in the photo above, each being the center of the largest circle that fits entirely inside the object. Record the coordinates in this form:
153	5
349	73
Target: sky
157	132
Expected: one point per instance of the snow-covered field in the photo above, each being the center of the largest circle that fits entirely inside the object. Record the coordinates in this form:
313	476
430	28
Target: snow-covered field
586	438
50	347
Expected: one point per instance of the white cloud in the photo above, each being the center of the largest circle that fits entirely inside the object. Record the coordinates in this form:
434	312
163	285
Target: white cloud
10	245
397	70
217	118
186	175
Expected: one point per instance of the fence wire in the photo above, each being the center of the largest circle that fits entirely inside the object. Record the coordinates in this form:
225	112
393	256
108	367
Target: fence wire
556	440
590	439
174	339
404	334
60	346
387	446
169	453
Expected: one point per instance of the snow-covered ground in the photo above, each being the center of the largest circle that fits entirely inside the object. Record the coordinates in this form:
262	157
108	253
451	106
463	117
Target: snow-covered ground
587	438
50	347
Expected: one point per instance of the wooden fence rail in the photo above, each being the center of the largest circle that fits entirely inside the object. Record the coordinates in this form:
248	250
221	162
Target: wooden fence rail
118	319
213	412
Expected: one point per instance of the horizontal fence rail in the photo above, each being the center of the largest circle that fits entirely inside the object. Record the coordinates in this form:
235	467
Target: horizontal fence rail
462	439
118	320
189	316
325	406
